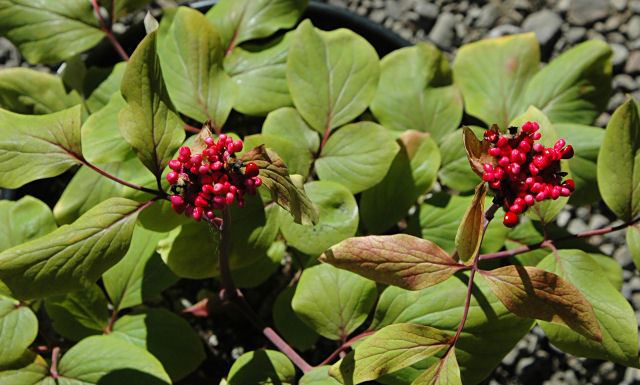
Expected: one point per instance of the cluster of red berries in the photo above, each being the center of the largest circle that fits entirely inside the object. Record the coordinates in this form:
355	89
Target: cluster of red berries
525	172
211	180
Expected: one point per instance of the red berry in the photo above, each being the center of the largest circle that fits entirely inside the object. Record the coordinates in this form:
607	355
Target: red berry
567	153
510	219
251	169
175	165
185	151
172	177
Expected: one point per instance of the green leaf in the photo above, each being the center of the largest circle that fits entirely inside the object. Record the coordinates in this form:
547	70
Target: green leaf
161	217
547	210
318	376
470	232
18	329
287	123
264	367
411	174
332	75
103	85
357	156
455	172
140	274
163	334
260	269
411	95
633	243
333	302
401	260
611	269
297	158
395	347
88	188
38	146
534	293
492	75
73	256
49	32
293	330
191	251
123	7
586	142
338	213
110	361
445	372
79	314
242	20
28	91
260	75
619	162
29	369
490	332
101	139
275	177
191	55
615	316
575	87
149	123
24	220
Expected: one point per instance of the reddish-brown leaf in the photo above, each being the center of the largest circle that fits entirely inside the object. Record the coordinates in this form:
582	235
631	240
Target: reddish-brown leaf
401	260
469	235
477	150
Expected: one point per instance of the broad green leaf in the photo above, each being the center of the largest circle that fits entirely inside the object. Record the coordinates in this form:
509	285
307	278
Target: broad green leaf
240	20
575	86
27	91
293	330
167	336
141	274
455	172
586	142
18	329
29	369
401	260
191	55
260	270
411	94
23	221
260	76
615	316
332	76
123	7
102	85
110	361
338	213
287	123
161	217
357	156
275	177
611	269
72	256
395	347
411	174
78	314
191	251
547	210
633	243
490	332
534	293
333	302
492	75
148	123
317	376
73	73
526	233
102	141
264	367
471	229
445	372
49	31
296	157
619	162
38	146
88	188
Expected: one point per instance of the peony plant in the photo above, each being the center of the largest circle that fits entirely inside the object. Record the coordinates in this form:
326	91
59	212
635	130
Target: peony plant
341	203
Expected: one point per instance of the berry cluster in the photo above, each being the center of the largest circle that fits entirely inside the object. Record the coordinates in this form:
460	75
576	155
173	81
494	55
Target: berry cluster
211	180
523	171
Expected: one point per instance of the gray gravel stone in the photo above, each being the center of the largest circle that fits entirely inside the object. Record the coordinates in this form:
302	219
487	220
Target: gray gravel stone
9	54
633	63
427	10
627	83
586	12
502	30
620	55
546	25
443	32
633	27
619	5
576	35
488	16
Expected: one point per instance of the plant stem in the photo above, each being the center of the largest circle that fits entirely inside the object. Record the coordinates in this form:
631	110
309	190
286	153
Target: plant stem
345	346
230	293
549	243
54	363
107	29
112	321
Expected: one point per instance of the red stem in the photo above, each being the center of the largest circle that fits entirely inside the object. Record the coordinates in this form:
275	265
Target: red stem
108	31
192	129
112	321
345	346
54	363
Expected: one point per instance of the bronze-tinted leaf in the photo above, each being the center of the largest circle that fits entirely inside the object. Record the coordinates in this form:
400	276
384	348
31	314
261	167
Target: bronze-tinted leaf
477	150
534	293
275	177
401	260
469	235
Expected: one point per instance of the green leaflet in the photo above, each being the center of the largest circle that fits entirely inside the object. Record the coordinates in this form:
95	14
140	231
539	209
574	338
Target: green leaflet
101	138
78	314
265	367
23	221
18	329
296	332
